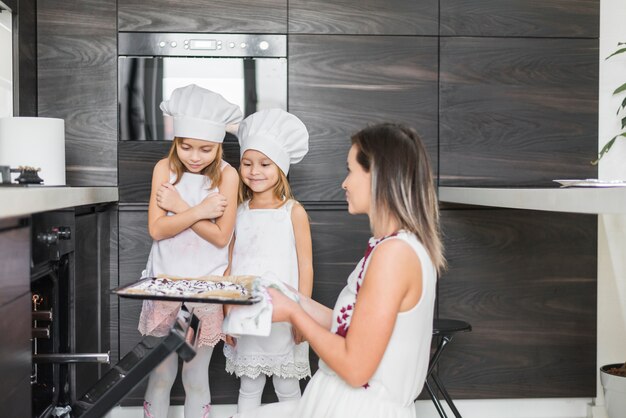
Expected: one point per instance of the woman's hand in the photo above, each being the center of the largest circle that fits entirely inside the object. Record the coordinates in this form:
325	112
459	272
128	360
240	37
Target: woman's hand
169	199
283	307
212	206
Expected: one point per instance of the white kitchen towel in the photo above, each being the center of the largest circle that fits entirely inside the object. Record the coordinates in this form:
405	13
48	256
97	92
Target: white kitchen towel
256	319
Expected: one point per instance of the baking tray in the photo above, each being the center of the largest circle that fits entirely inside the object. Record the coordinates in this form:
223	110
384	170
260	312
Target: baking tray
246	281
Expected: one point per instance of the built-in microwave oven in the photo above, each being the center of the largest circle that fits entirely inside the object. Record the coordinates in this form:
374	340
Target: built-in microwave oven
248	70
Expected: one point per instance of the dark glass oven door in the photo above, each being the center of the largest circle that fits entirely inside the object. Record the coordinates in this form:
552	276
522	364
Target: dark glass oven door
144	82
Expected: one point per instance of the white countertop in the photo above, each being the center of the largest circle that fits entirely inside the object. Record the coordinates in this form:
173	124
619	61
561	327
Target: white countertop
592	200
20	201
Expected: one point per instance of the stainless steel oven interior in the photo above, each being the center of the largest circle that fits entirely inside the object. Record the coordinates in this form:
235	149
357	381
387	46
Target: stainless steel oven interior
248	70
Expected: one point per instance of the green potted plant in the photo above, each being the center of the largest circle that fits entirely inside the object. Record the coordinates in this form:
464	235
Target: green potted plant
621	48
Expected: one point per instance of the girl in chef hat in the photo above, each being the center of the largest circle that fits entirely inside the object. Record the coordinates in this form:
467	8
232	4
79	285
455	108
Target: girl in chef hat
272	235
191	217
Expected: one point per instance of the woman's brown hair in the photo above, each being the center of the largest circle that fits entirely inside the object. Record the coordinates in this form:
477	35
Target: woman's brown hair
212	171
402	183
282	191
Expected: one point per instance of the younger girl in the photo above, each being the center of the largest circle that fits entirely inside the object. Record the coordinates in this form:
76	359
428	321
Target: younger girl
191	217
272	235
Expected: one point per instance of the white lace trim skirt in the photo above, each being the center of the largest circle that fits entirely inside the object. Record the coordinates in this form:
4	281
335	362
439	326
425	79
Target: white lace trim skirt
293	364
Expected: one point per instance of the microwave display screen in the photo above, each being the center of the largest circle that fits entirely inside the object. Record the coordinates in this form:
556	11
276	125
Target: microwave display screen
144	82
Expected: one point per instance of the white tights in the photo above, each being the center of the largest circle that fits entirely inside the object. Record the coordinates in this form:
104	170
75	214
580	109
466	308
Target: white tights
195	380
251	390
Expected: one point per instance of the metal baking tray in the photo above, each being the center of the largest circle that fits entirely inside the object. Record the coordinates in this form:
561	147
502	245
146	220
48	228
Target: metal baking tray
126	292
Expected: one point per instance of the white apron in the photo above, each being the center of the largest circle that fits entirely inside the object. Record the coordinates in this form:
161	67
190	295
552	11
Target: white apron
265	246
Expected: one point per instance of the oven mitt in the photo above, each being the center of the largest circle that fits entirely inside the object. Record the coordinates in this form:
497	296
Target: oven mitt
256	319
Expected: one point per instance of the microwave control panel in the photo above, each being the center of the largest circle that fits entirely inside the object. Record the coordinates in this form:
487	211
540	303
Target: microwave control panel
202	44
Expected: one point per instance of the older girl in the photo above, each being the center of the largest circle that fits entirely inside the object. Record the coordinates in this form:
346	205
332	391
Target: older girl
191	218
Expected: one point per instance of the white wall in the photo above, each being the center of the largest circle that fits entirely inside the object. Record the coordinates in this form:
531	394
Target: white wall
611	228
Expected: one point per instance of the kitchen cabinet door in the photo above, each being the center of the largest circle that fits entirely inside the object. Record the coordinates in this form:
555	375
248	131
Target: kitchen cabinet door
234	16
15	319
77	79
526	282
15	358
14	260
340	84
549	18
377	17
517	112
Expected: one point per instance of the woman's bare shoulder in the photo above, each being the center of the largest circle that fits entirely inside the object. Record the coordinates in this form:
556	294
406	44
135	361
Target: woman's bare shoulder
396	257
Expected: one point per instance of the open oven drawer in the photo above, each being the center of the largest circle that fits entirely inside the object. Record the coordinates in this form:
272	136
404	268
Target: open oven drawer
136	365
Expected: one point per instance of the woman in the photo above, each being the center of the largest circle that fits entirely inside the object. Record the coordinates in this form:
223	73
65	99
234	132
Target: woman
374	346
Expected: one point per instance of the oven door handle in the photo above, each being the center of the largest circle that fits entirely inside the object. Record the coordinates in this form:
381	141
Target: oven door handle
65	358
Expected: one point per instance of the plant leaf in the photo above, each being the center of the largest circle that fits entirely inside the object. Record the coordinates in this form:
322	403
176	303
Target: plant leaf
620	89
623	122
623	105
607	147
619	51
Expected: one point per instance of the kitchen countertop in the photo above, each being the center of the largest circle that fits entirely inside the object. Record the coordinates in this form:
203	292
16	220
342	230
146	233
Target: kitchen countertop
20	201
591	200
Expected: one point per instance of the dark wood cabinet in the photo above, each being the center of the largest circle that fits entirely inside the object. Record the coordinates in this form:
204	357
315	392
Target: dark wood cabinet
377	17
15	319
77	78
517	111
340	84
550	18
264	16
15	351
526	281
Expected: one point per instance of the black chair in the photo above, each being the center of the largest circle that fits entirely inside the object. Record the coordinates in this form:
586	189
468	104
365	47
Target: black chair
444	329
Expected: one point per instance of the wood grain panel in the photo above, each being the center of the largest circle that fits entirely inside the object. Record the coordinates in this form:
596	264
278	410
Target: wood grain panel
554	18
26	78
526	281
15	355
374	17
77	75
340	84
517	111
14	263
265	16
137	160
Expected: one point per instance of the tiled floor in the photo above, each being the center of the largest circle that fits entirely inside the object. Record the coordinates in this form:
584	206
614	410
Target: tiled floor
501	408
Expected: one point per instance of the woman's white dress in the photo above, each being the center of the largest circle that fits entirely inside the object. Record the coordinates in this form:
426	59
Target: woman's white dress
265	246
186	255
400	375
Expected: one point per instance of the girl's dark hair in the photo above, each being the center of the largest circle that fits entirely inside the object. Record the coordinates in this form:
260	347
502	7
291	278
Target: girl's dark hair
402	183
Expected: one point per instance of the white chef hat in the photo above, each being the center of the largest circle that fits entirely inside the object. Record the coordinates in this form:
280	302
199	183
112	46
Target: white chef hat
200	113
276	133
